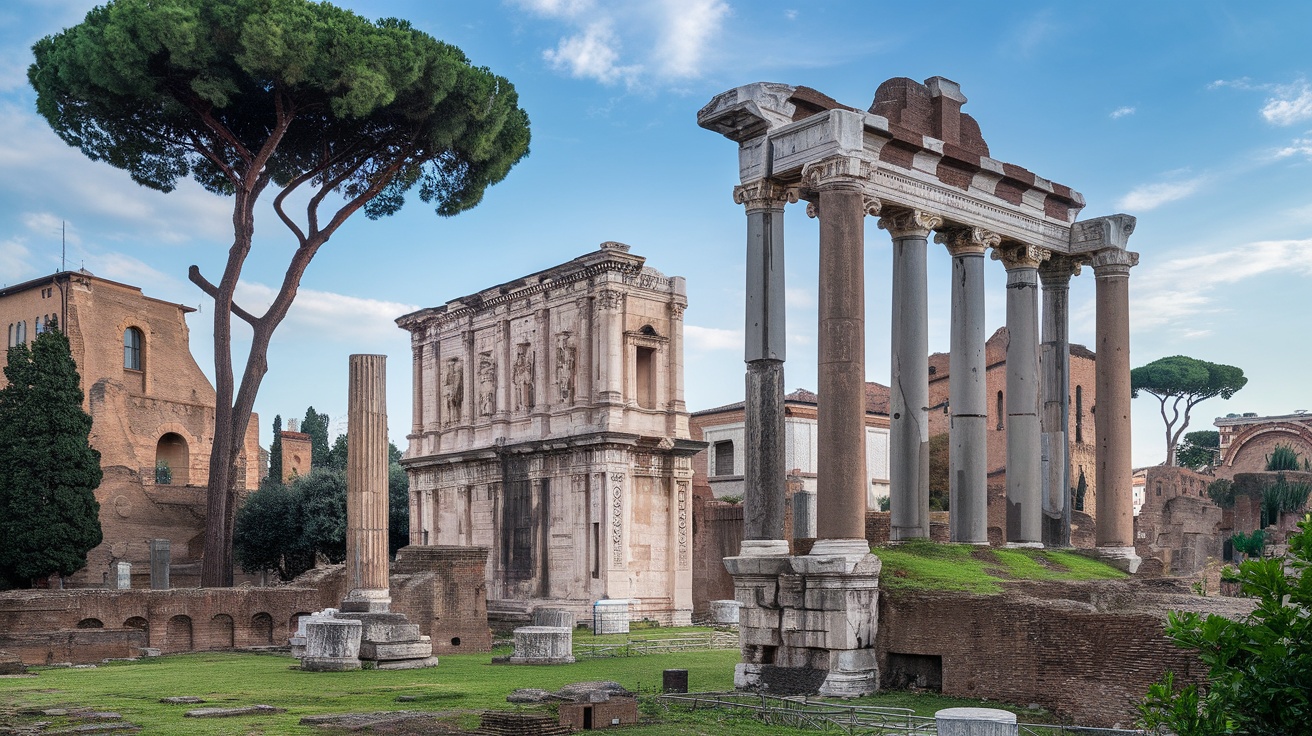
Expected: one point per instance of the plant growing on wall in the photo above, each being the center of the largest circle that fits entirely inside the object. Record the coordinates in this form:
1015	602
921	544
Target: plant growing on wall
1222	492
1283	457
337	113
163	473
1259	679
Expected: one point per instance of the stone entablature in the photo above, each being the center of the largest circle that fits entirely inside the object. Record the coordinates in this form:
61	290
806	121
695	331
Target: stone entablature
549	426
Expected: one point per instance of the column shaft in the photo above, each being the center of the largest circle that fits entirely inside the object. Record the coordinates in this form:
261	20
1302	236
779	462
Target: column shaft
841	475
1054	363
764	459
968	392
1115	500
1024	461
366	485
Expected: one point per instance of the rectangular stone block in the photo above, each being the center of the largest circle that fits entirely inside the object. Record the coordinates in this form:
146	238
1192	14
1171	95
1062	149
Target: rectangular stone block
853	660
761	636
407	650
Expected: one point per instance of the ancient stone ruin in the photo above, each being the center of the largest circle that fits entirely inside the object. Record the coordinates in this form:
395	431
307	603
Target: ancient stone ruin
918	163
549	426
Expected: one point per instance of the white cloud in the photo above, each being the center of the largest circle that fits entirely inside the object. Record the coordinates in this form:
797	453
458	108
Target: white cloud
712	338
1291	104
1151	196
790	14
328	315
1033	33
1168	292
1121	112
632	43
129	270
796	296
1296	147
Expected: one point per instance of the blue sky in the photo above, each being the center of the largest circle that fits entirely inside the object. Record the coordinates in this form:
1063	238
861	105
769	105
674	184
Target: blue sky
1196	117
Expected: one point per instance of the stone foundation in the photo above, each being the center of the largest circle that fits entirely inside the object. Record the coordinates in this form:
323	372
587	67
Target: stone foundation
807	623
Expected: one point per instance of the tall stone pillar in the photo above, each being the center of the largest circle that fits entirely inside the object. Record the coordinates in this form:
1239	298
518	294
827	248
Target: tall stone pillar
968	467
908	471
841	432
1115	501
161	558
1024	461
1055	364
764	471
366	487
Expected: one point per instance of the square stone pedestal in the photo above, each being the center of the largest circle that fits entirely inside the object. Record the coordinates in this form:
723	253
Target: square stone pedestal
807	623
391	641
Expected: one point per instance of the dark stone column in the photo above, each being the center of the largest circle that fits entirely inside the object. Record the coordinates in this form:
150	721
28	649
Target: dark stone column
1055	367
764	458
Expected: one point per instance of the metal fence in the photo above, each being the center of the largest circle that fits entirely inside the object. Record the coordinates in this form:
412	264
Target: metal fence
635	647
842	718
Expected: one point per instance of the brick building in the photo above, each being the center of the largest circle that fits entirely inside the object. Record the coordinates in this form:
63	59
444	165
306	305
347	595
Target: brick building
152	412
1246	439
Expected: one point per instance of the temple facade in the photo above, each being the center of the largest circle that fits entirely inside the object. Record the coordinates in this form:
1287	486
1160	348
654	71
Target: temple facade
549	426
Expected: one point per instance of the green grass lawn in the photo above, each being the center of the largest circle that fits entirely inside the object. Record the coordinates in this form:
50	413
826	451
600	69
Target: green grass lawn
461	685
924	565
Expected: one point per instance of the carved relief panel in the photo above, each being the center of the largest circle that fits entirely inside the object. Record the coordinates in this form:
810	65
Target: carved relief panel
453	391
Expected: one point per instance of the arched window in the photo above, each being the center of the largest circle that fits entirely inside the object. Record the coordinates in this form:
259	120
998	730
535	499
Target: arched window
19	335
132	341
171	460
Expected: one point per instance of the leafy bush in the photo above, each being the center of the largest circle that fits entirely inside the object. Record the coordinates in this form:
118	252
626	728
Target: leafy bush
1283	457
1259	667
1222	492
1281	497
163	473
1250	544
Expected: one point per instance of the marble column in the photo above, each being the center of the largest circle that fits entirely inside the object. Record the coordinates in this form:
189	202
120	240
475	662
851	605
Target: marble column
968	466
1115	499
1054	365
366	486
764	455
1024	460
908	471
841	433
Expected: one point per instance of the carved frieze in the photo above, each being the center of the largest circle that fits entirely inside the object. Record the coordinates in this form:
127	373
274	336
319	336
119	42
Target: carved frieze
1112	231
617	519
683	524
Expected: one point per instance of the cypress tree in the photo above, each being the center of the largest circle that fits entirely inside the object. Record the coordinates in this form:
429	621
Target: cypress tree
316	425
275	450
49	516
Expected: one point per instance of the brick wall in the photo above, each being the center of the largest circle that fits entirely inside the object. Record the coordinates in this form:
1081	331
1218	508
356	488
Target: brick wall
1086	651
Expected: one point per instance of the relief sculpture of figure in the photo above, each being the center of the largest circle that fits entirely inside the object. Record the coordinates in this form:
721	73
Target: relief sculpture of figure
487	384
565	361
453	390
522	377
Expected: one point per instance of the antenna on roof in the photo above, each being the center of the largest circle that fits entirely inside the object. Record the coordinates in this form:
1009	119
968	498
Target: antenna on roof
63	244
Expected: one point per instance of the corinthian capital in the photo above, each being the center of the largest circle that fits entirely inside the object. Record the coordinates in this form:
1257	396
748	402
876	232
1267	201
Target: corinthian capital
909	223
835	172
1109	261
1020	255
763	194
1059	268
967	240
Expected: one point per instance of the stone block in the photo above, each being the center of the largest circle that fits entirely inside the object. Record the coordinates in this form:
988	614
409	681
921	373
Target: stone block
975	722
395	650
768	636
724	613
331	644
407	664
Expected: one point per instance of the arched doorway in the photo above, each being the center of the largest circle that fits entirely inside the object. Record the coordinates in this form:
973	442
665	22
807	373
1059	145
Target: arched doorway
171	459
178	635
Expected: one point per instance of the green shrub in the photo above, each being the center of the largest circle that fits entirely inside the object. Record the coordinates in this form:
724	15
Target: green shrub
1283	457
1250	544
1222	492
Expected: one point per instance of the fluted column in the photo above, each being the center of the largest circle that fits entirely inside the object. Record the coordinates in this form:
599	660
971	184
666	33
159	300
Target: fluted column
908	471
1115	500
1024	461
1054	364
764	456
968	466
366	486
841	434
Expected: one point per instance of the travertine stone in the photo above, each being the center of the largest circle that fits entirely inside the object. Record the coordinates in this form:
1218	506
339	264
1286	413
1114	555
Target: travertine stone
543	645
331	645
558	617
610	617
366	486
1115	501
968	406
725	613
122	575
1024	462
975	722
1054	364
908	471
841	480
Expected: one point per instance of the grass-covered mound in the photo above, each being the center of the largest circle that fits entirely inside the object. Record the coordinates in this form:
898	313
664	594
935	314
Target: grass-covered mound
925	565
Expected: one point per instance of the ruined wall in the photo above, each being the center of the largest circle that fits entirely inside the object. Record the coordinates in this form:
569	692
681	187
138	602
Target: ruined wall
42	626
717	533
1086	651
1178	524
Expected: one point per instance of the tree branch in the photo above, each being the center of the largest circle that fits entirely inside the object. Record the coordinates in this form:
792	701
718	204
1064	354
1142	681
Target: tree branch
193	274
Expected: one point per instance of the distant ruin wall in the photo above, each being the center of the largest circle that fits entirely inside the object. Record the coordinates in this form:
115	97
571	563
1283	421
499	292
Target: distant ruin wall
1086	651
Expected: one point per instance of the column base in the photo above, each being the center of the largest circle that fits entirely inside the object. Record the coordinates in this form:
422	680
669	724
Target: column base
367	600
763	548
1124	559
1023	545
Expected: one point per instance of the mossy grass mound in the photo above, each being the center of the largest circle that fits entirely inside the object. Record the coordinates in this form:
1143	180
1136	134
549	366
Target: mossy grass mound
925	565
